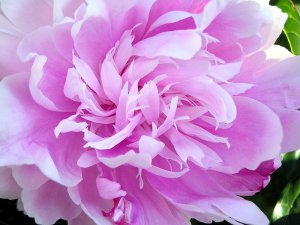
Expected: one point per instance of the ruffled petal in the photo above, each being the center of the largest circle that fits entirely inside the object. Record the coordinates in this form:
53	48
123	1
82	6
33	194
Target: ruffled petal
59	205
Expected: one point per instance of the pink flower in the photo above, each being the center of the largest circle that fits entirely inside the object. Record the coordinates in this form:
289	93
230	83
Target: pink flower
143	112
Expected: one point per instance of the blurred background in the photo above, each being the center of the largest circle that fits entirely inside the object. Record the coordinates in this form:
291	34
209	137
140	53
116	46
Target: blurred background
280	200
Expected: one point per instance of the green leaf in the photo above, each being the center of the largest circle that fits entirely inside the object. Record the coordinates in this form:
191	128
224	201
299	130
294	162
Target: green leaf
291	156
292	26
289	201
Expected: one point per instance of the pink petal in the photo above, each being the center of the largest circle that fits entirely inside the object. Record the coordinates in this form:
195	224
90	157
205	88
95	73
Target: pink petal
82	219
290	120
247	182
109	189
124	50
93	44
59	205
63	8
241	210
42	82
170	17
9	189
181	44
151	146
112	141
211	95
47	83
86	194
9	40
28	177
251	134
69	125
278	84
209	199
121	119
73	85
87	74
27	14
140	68
88	159
198	132
149	101
46	151
170	119
15	122
185	147
139	160
144	202
110	75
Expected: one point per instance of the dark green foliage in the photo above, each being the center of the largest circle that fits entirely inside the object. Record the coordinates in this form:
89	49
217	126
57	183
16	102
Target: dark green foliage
292	26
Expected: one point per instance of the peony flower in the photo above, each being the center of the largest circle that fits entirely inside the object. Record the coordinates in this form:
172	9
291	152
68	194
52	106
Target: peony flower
143	112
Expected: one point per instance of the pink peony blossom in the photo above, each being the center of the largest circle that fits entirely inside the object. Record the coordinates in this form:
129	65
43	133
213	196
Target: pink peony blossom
143	112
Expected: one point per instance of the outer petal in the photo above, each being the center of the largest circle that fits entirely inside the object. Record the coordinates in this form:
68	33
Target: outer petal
249	35
62	8
241	210
14	120
49	203
10	37
82	219
290	120
246	182
260	135
9	189
49	70
236	25
274	27
27	134
28	177
207	201
28	15
277	85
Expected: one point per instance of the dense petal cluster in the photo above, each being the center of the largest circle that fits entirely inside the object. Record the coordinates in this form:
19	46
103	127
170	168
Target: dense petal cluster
143	112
